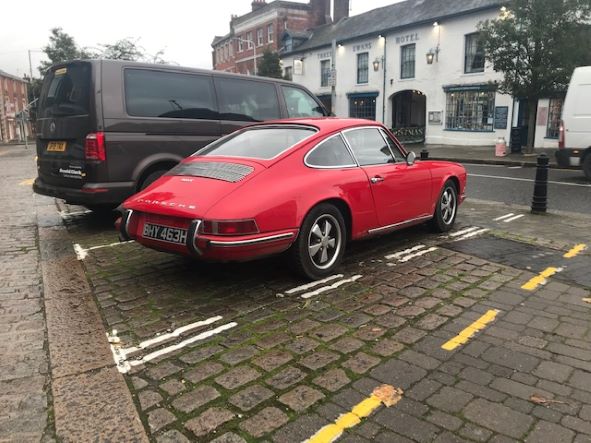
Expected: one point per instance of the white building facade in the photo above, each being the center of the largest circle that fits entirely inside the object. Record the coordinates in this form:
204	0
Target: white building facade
417	67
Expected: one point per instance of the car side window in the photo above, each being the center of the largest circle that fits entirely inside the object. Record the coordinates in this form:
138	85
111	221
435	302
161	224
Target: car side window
247	100
150	93
369	146
300	104
393	147
330	153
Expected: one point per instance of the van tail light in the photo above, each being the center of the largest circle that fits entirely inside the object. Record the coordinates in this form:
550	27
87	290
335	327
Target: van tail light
561	138
229	227
94	146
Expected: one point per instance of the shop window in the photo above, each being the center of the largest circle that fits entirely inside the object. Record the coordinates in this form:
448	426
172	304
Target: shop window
407	61
362	68
474	54
470	110
362	106
554	112
324	72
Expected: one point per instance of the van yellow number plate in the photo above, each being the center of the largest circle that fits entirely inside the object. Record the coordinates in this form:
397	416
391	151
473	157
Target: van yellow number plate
56	146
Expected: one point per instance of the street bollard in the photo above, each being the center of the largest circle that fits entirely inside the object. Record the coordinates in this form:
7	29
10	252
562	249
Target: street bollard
539	202
424	154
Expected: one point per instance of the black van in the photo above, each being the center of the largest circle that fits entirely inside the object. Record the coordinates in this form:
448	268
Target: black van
108	128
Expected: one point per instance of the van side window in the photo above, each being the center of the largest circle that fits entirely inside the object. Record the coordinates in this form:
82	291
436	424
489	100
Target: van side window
150	93
300	104
247	100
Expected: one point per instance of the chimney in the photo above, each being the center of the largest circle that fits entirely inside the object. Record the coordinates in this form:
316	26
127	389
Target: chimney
341	10
257	4
320	12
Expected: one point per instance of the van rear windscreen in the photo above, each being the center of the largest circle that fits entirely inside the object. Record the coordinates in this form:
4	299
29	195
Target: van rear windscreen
66	91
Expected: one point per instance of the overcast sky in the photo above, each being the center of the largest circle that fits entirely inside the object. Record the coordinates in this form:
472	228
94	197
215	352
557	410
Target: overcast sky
183	29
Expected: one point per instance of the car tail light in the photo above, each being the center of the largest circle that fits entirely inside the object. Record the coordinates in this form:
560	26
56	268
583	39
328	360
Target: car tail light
94	146
561	140
229	227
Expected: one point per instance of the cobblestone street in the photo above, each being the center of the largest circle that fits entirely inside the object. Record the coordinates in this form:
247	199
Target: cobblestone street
486	344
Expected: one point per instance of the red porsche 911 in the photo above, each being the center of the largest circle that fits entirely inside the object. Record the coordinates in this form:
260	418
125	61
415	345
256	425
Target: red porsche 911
303	185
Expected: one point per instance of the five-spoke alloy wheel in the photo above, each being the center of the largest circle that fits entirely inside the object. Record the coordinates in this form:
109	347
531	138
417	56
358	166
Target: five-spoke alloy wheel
446	207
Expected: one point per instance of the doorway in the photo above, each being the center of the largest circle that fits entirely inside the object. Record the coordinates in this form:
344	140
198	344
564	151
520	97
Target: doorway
409	110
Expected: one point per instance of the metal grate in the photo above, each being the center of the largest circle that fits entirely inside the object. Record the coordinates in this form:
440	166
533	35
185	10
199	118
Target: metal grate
230	172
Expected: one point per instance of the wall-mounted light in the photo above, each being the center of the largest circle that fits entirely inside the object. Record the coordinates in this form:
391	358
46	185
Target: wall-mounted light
376	64
435	24
432	55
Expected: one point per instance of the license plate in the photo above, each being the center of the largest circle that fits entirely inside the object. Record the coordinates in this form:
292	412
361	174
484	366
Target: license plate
165	233
56	146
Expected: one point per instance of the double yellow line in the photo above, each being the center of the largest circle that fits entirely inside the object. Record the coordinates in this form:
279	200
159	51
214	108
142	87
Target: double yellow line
542	278
467	333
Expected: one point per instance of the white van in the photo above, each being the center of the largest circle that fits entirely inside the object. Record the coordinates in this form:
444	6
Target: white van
574	142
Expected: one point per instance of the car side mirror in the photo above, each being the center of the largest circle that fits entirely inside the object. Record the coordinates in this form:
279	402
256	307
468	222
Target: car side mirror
410	158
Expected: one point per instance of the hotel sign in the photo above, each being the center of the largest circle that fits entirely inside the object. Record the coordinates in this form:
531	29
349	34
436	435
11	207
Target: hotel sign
362	47
408	38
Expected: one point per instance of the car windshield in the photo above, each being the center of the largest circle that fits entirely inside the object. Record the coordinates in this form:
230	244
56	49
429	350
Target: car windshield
261	142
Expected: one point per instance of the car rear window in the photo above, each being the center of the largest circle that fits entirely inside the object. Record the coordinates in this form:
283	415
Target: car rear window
262	143
66	91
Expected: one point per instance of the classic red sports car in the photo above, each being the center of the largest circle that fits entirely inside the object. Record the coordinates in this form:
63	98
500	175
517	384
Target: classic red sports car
303	185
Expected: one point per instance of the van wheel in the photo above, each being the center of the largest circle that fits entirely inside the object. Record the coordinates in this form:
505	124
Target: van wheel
446	208
320	245
587	166
151	178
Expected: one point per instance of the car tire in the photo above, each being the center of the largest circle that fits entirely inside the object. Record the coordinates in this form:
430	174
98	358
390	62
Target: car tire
446	208
151	178
587	166
320	245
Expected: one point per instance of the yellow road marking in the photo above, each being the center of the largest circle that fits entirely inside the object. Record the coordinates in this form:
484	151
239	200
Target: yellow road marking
386	394
27	182
467	333
540	279
575	250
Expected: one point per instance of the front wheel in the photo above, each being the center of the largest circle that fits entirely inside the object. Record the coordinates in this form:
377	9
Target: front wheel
320	245
446	208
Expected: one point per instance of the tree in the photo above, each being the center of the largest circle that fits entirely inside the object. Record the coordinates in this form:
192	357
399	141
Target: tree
124	49
61	48
536	44
269	65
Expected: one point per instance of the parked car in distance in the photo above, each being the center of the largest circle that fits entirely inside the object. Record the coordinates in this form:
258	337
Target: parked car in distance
574	140
108	128
307	185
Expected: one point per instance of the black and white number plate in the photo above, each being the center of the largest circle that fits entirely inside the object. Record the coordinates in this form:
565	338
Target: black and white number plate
165	233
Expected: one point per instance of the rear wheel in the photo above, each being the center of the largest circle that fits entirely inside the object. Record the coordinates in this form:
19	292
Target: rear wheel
446	208
587	166
320	245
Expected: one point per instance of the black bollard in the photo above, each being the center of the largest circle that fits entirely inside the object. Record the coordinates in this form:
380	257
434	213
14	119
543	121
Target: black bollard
424	154
539	202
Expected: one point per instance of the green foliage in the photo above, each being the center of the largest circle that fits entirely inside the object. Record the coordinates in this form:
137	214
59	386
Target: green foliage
537	44
269	65
61	48
124	49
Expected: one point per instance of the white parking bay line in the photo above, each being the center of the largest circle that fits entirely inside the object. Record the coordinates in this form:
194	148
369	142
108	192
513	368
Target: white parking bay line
406	251
514	218
81	253
314	283
417	254
472	234
330	287
463	231
502	217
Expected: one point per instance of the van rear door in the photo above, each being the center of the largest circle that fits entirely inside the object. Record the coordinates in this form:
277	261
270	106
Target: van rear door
64	119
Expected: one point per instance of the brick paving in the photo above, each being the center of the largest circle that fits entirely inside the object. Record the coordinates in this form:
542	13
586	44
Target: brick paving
291	365
24	363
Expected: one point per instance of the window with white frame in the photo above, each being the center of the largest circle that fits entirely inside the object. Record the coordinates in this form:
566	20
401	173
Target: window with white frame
407	61
554	111
362	68
240	44
270	31
470	110
260	37
249	40
474	54
324	72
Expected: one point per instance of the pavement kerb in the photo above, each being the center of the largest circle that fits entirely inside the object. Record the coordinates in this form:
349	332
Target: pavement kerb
524	164
91	400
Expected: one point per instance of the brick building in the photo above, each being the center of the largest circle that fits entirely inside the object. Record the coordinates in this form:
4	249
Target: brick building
262	28
13	100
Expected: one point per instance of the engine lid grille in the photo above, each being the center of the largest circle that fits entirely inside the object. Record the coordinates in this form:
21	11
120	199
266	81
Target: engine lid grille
229	172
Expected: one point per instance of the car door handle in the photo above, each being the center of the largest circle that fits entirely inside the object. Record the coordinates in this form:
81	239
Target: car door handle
377	179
